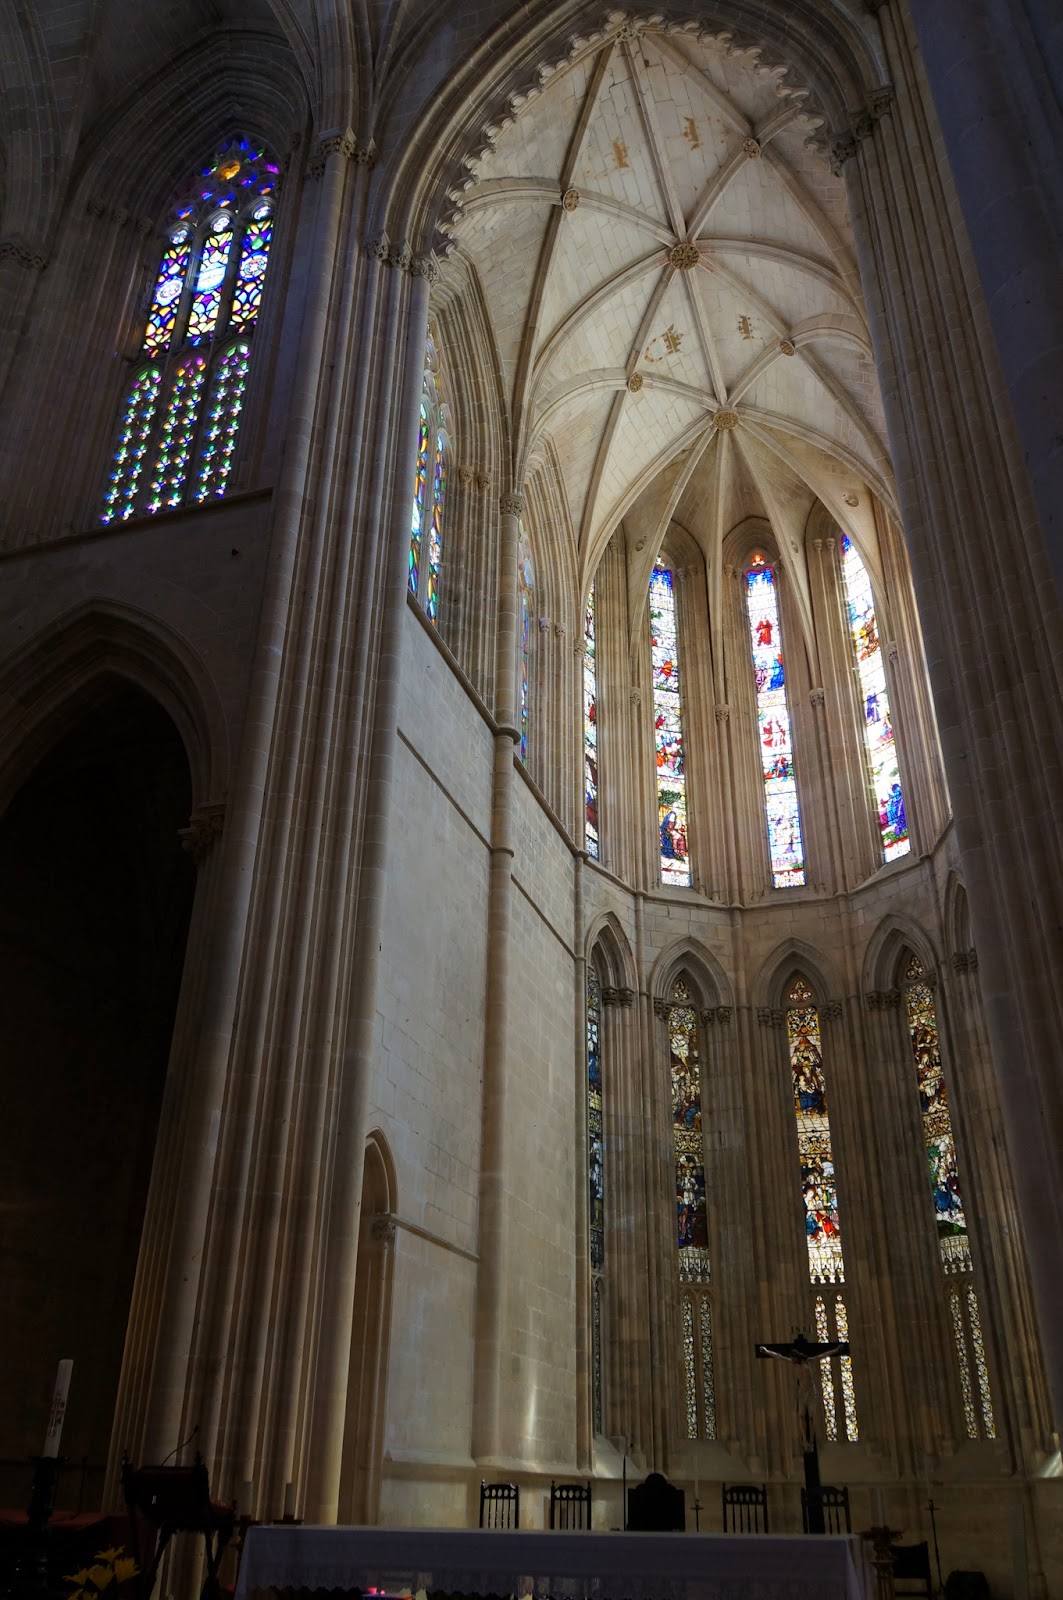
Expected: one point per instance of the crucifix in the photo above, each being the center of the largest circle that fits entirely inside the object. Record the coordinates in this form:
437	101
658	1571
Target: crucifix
801	1353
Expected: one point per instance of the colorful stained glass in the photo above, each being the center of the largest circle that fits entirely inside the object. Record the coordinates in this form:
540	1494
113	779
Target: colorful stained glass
668	730
690	1367
596	1352
239	169
691	1219
210	280
227	389
435	530
166	299
822	1229
773	728
134	433
826	1375
963	1362
420	491
980	1367
254	258
708	1379
937	1123
526	578
595	1148
174	446
874	698
590	731
841	1322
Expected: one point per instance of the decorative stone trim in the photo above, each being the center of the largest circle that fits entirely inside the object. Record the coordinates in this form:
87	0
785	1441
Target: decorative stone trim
618	997
22	254
570	200
204	827
636	697
511	505
662	1009
465	477
560	632
863	124
483	481
720	1015
684	256
425	266
635	382
723	714
544	624
382	1230
817	698
770	1017
883	999
331	144
787	347
751	147
725	420
400	255
893	652
103	211
965	960
831	1011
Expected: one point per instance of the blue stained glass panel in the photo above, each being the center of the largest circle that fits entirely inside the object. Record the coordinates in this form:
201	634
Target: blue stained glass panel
254	258
668	730
210	277
435	530
166	296
773	728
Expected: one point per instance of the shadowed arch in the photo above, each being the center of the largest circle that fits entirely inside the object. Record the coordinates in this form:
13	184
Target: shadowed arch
608	949
49	684
892	938
687	957
795	958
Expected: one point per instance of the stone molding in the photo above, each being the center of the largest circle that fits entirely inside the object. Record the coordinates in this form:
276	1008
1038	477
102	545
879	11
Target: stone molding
401	255
721	1015
204	828
382	1229
883	999
965	960
862	126
831	1011
817	698
511	505
22	254
618	997
662	1009
723	713
341	142
770	1016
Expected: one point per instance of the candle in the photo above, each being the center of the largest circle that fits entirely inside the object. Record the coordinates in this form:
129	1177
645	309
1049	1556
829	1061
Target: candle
289	1500
54	1431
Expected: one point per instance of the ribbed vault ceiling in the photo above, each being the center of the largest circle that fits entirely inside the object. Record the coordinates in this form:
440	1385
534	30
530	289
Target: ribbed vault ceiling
670	279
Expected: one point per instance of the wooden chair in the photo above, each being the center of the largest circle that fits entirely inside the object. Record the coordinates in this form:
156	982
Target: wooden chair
911	1565
656	1506
745	1508
570	1507
834	1504
499	1505
173	1500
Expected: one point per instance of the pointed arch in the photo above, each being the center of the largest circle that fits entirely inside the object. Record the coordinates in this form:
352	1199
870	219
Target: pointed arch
794	958
894	936
686	957
607	945
47	685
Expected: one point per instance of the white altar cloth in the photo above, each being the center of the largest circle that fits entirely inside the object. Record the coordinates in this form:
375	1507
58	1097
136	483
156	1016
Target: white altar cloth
563	1566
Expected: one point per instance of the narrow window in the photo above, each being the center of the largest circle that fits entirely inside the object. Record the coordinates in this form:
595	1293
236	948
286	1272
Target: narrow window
668	730
526	583
823	1238
878	723
773	728
180	415
429	492
596	1183
590	731
692	1233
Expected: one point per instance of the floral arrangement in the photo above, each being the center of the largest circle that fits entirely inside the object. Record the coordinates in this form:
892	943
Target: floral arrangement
110	1570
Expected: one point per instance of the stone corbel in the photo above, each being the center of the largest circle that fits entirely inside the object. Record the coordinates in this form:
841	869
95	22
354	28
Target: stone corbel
832	1011
618	997
965	960
883	999
770	1017
862	126
817	699
382	1230
204	827
662	1009
19	251
723	714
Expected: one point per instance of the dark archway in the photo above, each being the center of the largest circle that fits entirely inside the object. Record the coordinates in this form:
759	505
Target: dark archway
95	899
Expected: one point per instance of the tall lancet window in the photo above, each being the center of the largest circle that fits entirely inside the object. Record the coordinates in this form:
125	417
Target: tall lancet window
429	493
692	1231
590	731
180	415
668	729
596	1184
826	1265
526	587
773	728
950	1220
874	699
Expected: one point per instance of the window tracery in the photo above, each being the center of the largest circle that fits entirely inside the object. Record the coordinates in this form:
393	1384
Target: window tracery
180	415
879	741
429	491
775	741
691	1224
668	729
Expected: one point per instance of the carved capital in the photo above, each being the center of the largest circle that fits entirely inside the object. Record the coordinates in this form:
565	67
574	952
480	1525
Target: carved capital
816	698
862	126
204	827
883	999
401	255
718	1016
465	477
618	997
662	1009
723	713
425	266
770	1017
378	249
22	253
337	143
365	155
723	1016
382	1230
511	505
842	150
832	1011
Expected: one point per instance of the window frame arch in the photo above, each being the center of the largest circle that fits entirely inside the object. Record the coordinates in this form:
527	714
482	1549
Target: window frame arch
176	436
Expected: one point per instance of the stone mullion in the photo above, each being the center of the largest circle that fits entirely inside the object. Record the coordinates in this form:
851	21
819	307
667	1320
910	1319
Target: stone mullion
959	469
627	1375
583	1288
782	1288
737	719
669	1408
695	678
998	1222
919	749
726	1138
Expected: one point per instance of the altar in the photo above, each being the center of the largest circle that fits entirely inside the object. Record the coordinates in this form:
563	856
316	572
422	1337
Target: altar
561	1566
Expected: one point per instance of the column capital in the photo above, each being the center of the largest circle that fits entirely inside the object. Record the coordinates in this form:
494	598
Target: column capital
883	999
770	1017
204	827
816	698
511	505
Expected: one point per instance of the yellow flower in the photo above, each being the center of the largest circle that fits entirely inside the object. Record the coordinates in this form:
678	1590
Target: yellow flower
112	1554
125	1568
100	1576
77	1577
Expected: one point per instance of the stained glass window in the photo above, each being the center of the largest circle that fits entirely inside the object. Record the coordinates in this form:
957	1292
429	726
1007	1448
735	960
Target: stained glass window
826	1376
208	284
596	1341
949	1214
874	699
691	1219
595	1150
835	1375
690	1367
822	1227
773	728
526	581
668	730
708	1378
963	1363
590	730
699	1384
429	491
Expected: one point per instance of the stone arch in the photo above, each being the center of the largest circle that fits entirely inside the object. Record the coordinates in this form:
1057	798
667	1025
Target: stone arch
607	940
706	971
370	1336
893	936
956	920
778	971
46	687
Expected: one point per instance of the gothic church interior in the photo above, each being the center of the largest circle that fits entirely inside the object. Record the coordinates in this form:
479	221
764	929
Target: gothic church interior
530	695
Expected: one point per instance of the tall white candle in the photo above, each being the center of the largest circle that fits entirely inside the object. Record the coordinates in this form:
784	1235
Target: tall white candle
54	1431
